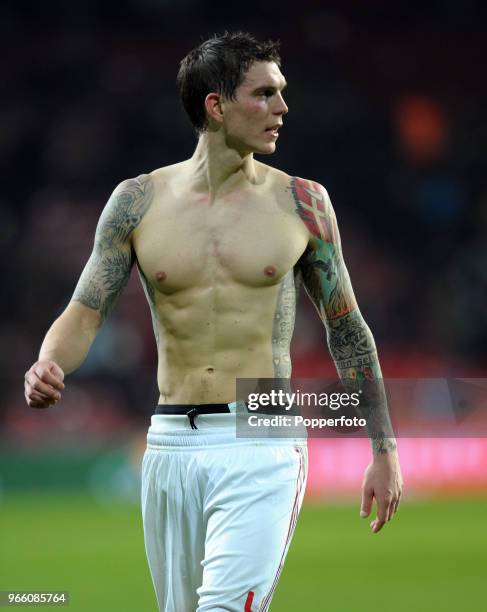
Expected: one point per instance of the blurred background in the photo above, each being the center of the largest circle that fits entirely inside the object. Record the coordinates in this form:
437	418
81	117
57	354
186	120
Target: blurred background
387	110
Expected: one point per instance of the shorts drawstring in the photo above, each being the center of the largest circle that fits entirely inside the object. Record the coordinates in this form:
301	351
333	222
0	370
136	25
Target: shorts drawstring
191	415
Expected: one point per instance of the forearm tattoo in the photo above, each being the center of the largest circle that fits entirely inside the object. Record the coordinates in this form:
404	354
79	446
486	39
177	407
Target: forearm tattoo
108	268
353	350
328	284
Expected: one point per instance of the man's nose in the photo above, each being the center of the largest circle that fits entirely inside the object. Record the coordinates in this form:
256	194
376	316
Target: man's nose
281	107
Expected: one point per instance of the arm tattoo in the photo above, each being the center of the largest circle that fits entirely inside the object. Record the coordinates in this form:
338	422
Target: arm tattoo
350	340
108	268
353	350
324	273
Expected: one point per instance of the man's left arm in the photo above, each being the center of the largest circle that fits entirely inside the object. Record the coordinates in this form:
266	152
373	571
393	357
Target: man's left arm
351	344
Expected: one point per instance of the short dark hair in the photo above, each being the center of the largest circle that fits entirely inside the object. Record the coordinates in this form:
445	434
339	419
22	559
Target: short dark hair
219	64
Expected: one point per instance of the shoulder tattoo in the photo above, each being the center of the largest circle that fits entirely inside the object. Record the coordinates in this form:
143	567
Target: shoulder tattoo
108	269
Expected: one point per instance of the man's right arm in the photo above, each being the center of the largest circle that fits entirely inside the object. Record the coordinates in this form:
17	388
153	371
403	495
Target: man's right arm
106	273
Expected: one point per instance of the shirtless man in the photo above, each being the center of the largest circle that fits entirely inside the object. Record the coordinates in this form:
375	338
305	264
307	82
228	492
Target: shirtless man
222	243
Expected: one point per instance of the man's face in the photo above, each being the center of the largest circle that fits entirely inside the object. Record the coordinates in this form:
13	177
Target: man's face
259	106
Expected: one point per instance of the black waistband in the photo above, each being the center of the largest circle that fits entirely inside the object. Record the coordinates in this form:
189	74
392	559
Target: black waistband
192	410
185	408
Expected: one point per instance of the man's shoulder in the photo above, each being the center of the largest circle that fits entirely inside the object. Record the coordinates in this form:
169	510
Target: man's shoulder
273	175
280	177
311	193
136	186
314	207
128	203
144	186
310	185
165	174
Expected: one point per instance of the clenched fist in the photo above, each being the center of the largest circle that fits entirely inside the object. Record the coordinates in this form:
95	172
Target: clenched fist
43	383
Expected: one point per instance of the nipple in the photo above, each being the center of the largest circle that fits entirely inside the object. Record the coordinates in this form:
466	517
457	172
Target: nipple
161	276
269	270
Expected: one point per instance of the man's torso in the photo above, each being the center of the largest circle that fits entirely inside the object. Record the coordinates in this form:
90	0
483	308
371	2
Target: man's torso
220	276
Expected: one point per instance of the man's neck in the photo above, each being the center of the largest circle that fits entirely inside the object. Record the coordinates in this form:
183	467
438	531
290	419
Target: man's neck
215	167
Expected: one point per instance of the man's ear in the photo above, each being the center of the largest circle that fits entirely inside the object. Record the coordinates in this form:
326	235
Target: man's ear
213	106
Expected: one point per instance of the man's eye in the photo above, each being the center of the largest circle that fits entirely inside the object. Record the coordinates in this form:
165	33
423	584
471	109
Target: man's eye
268	92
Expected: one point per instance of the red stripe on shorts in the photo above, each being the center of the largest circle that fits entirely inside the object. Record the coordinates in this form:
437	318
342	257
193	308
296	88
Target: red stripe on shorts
292	524
248	602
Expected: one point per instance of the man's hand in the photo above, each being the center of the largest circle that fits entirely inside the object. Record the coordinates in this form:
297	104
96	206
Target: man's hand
43	383
382	480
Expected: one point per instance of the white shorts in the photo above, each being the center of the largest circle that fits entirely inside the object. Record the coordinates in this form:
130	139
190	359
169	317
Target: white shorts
219	512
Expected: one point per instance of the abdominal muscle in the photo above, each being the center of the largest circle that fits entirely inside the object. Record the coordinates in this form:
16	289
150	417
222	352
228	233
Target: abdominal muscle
208	337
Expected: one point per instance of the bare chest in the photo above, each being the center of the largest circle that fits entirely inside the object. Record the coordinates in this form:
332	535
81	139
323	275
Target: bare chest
191	242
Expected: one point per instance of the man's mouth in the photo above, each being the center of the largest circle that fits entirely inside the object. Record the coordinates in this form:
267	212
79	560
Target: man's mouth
274	129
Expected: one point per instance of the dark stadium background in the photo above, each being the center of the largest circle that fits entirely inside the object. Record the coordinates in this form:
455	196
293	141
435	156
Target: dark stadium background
388	109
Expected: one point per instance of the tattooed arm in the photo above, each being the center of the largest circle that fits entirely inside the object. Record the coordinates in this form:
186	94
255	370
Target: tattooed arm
105	275
108	269
350	340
